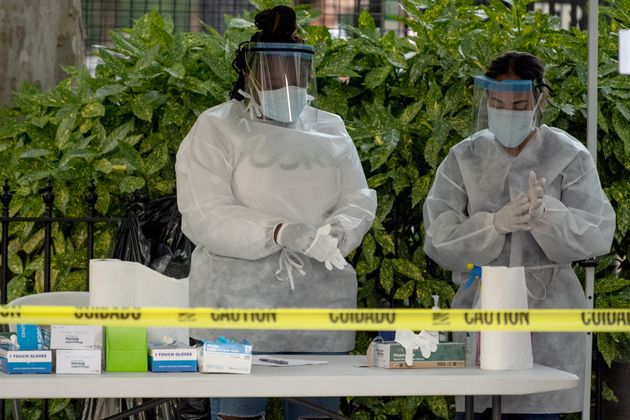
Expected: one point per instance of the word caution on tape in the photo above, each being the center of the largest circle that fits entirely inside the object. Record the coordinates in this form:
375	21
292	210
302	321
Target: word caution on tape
596	320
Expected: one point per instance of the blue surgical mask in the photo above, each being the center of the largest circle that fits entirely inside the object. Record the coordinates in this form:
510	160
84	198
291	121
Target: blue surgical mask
284	105
510	127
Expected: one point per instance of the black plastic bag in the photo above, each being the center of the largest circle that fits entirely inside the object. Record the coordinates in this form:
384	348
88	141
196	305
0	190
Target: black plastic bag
151	235
193	408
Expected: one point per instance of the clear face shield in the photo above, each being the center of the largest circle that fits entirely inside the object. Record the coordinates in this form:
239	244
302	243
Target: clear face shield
508	108
279	80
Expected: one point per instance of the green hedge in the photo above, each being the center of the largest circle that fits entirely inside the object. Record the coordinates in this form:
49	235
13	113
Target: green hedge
405	100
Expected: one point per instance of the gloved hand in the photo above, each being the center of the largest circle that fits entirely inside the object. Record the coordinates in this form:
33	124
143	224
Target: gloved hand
535	194
514	215
324	248
296	237
317	244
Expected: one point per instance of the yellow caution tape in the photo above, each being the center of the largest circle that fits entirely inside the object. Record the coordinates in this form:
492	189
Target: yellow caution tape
578	320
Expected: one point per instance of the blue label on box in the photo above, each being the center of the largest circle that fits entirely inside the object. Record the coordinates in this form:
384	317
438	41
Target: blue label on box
33	367
227	348
172	365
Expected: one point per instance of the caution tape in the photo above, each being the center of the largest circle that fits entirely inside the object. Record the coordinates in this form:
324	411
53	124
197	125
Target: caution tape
577	320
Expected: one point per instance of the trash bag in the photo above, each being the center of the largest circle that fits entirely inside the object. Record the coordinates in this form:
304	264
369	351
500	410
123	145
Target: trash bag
193	408
151	235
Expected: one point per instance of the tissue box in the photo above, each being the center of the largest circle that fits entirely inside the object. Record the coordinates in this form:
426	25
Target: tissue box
391	355
125	349
25	361
78	361
173	359
76	337
224	357
32	337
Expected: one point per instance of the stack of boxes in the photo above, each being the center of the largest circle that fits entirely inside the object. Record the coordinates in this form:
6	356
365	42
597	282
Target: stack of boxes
28	352
85	349
77	348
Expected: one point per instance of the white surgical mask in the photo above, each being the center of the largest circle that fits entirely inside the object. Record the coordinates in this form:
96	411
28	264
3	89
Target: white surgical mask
510	127
284	105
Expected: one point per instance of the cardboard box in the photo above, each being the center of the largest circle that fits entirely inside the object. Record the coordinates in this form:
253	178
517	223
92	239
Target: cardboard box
25	361
173	359
391	355
225	358
125	349
78	361
76	337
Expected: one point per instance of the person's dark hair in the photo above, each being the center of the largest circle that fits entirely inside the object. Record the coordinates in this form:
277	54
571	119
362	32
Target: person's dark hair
525	66
275	25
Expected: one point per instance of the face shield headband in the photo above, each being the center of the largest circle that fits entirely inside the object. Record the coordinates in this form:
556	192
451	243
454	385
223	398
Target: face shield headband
508	108
279	80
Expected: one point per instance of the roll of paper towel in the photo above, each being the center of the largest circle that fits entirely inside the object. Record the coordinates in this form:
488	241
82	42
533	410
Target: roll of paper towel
129	284
504	288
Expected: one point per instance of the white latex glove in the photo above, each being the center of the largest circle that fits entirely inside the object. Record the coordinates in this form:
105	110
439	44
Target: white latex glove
317	244
514	215
429	342
324	248
426	341
535	194
296	237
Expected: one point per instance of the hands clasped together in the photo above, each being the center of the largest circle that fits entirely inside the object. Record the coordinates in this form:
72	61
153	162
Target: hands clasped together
524	209
320	244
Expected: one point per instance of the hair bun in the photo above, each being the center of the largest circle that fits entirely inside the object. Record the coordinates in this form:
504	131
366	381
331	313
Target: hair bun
277	23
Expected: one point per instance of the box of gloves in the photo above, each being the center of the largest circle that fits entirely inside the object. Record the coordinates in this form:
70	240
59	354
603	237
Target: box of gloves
393	355
225	356
171	358
15	359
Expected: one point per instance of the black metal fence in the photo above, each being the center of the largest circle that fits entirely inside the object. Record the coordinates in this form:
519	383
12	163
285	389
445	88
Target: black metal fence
47	220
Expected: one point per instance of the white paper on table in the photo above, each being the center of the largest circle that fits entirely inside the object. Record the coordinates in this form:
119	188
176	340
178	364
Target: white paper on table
624	51
259	360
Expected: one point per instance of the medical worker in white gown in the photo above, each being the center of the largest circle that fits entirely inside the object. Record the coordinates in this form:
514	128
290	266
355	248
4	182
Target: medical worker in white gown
517	193
273	195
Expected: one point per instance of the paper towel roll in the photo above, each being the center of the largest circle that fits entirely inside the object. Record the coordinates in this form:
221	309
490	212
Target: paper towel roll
129	284
504	288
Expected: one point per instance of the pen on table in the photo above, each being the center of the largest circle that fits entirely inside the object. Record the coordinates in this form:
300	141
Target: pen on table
274	361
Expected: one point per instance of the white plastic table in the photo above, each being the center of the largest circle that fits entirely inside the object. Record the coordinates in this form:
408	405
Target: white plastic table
341	376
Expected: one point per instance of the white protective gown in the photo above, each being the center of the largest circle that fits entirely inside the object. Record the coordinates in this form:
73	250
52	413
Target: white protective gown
237	178
478	178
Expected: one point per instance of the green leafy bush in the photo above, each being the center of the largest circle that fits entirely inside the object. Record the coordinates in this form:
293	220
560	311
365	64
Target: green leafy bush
405	100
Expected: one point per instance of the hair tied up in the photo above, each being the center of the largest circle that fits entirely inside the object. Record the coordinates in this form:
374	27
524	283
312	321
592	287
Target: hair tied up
276	25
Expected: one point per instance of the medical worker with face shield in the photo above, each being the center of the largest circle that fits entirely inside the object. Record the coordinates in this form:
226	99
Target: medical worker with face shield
518	193
273	195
